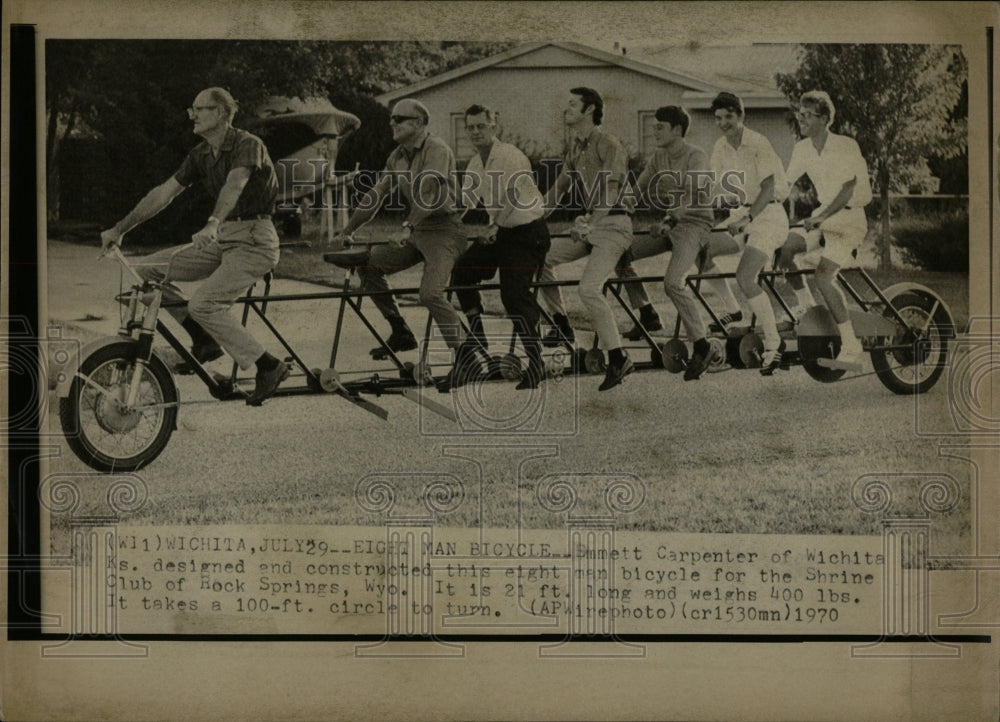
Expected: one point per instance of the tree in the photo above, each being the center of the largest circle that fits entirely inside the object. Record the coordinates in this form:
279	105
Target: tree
129	96
897	101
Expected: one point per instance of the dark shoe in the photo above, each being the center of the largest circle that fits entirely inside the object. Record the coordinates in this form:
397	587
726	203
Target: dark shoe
464	369
771	360
727	319
532	378
698	364
635	333
616	374
401	339
267	383
204	353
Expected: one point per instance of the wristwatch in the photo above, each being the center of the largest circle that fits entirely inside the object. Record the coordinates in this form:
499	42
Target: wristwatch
408	226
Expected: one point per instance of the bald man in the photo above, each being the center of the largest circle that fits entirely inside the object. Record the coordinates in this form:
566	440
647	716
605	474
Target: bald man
237	246
422	170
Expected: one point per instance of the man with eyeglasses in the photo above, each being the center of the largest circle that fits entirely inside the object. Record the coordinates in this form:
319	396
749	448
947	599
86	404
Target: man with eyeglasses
422	170
236	247
499	176
750	176
838	225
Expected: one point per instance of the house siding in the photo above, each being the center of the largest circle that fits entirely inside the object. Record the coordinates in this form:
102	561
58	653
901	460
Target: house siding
530	93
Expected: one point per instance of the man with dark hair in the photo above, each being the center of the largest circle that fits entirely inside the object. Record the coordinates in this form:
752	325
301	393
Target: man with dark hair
499	176
676	179
422	169
840	174
237	246
597	161
745	155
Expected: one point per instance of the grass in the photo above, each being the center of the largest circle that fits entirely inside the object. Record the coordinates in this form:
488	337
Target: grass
729	454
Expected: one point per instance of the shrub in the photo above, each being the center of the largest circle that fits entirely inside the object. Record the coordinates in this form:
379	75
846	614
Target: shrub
934	242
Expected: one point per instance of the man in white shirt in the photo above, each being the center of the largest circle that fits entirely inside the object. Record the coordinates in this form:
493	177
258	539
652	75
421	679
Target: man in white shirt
749	172
840	176
499	176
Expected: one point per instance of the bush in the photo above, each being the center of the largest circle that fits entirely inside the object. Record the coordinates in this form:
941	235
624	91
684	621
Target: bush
934	242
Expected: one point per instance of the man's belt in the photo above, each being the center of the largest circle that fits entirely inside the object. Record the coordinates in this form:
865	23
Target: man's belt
251	217
618	212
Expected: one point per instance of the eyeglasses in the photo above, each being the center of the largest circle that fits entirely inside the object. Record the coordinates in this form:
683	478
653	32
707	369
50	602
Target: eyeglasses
194	110
806	114
397	119
477	127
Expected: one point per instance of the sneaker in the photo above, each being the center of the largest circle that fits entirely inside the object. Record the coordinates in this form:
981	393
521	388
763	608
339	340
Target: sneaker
770	361
401	339
847	359
267	383
203	353
635	333
616	374
558	337
727	319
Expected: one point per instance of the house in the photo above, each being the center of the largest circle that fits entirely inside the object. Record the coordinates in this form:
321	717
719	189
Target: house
528	85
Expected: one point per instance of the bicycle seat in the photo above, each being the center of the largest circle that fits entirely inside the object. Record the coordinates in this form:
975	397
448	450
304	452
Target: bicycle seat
349	258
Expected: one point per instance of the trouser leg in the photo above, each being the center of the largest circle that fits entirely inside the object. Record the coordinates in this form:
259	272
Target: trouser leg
687	243
247	254
609	239
441	246
382	261
563	250
476	265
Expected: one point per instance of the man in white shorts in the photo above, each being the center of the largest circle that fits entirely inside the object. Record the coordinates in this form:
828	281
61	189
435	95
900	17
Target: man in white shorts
746	166
840	175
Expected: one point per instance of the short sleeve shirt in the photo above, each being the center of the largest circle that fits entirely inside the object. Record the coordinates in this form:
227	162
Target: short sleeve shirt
239	149
505	186
425	169
840	162
755	159
594	161
668	178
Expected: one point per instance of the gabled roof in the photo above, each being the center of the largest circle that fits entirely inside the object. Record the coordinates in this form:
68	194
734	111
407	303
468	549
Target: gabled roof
686	81
739	68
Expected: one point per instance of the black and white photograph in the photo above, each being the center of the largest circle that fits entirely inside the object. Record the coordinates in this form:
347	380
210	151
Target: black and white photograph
427	360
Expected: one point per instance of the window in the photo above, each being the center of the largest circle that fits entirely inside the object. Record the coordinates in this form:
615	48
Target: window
647	144
460	139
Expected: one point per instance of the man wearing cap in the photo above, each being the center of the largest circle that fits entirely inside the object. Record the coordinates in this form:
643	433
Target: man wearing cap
750	176
237	246
499	176
422	170
597	162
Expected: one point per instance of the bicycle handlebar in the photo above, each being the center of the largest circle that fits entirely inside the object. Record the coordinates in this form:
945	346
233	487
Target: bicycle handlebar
115	252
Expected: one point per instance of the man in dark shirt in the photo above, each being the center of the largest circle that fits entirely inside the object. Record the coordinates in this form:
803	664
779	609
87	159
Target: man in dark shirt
422	170
237	246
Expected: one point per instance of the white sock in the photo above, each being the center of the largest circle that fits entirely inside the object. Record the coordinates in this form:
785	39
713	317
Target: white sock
761	306
848	341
